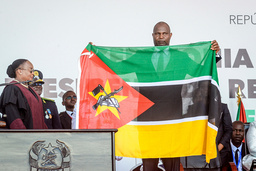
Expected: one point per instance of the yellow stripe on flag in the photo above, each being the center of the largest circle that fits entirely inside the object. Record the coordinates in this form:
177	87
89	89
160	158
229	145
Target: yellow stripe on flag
211	147
164	141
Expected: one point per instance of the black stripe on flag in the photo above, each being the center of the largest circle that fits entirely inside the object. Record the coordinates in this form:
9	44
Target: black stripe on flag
181	101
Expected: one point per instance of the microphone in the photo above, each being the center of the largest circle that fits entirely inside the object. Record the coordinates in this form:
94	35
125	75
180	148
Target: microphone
22	82
33	81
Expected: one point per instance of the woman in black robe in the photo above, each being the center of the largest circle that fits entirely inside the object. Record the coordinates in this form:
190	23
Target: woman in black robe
21	105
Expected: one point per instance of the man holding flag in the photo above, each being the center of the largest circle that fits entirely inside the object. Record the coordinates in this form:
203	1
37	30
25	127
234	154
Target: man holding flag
161	37
153	95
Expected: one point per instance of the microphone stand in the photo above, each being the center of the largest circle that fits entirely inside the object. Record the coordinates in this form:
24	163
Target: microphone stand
23	82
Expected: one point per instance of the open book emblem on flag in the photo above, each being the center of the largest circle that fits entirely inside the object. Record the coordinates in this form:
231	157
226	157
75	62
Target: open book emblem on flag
106	100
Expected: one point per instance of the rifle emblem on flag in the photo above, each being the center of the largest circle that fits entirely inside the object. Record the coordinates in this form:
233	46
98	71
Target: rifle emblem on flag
108	99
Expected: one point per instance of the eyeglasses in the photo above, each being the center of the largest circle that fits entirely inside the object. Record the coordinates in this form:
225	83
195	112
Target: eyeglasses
37	84
31	71
70	97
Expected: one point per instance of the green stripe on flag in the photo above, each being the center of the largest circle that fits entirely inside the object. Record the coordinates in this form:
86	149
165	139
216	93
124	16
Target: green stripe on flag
159	63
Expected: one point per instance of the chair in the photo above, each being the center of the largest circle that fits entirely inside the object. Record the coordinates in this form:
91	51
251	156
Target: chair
231	166
160	167
181	167
253	167
2	124
2	121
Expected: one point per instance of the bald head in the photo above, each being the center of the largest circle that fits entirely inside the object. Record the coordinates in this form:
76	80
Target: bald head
161	34
161	24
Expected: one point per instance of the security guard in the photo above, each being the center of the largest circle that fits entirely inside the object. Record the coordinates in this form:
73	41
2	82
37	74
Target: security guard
51	115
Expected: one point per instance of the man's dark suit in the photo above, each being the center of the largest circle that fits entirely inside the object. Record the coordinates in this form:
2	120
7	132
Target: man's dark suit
51	114
230	156
65	120
224	133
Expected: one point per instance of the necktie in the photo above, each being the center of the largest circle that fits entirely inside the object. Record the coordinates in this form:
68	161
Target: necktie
160	65
236	156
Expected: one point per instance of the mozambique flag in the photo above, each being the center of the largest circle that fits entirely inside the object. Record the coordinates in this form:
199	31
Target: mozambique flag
164	100
241	115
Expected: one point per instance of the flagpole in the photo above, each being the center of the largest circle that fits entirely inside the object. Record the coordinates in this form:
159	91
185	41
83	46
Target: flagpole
241	115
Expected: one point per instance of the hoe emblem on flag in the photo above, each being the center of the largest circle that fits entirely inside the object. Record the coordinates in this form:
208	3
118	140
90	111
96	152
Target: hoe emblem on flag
107	99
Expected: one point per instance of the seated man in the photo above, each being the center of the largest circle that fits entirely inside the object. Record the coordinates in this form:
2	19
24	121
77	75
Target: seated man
67	117
237	147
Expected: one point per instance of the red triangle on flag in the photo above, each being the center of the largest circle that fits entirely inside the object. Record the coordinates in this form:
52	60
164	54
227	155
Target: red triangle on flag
106	101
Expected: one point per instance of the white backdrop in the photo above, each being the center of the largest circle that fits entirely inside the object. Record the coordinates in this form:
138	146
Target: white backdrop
53	33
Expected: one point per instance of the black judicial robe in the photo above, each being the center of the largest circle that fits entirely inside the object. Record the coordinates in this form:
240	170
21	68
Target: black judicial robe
23	107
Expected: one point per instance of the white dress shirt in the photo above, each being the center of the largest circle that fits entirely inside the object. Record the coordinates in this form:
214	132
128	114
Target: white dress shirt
234	148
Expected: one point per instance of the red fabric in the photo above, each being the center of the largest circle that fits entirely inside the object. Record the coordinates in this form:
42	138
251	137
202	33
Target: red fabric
93	73
17	124
242	115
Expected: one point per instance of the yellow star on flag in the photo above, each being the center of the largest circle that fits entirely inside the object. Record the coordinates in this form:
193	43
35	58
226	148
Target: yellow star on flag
102	108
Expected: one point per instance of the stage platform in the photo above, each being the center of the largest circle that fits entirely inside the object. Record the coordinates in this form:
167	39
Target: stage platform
57	150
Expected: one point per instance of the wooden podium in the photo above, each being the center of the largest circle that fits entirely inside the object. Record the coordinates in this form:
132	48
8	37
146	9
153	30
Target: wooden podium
57	150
